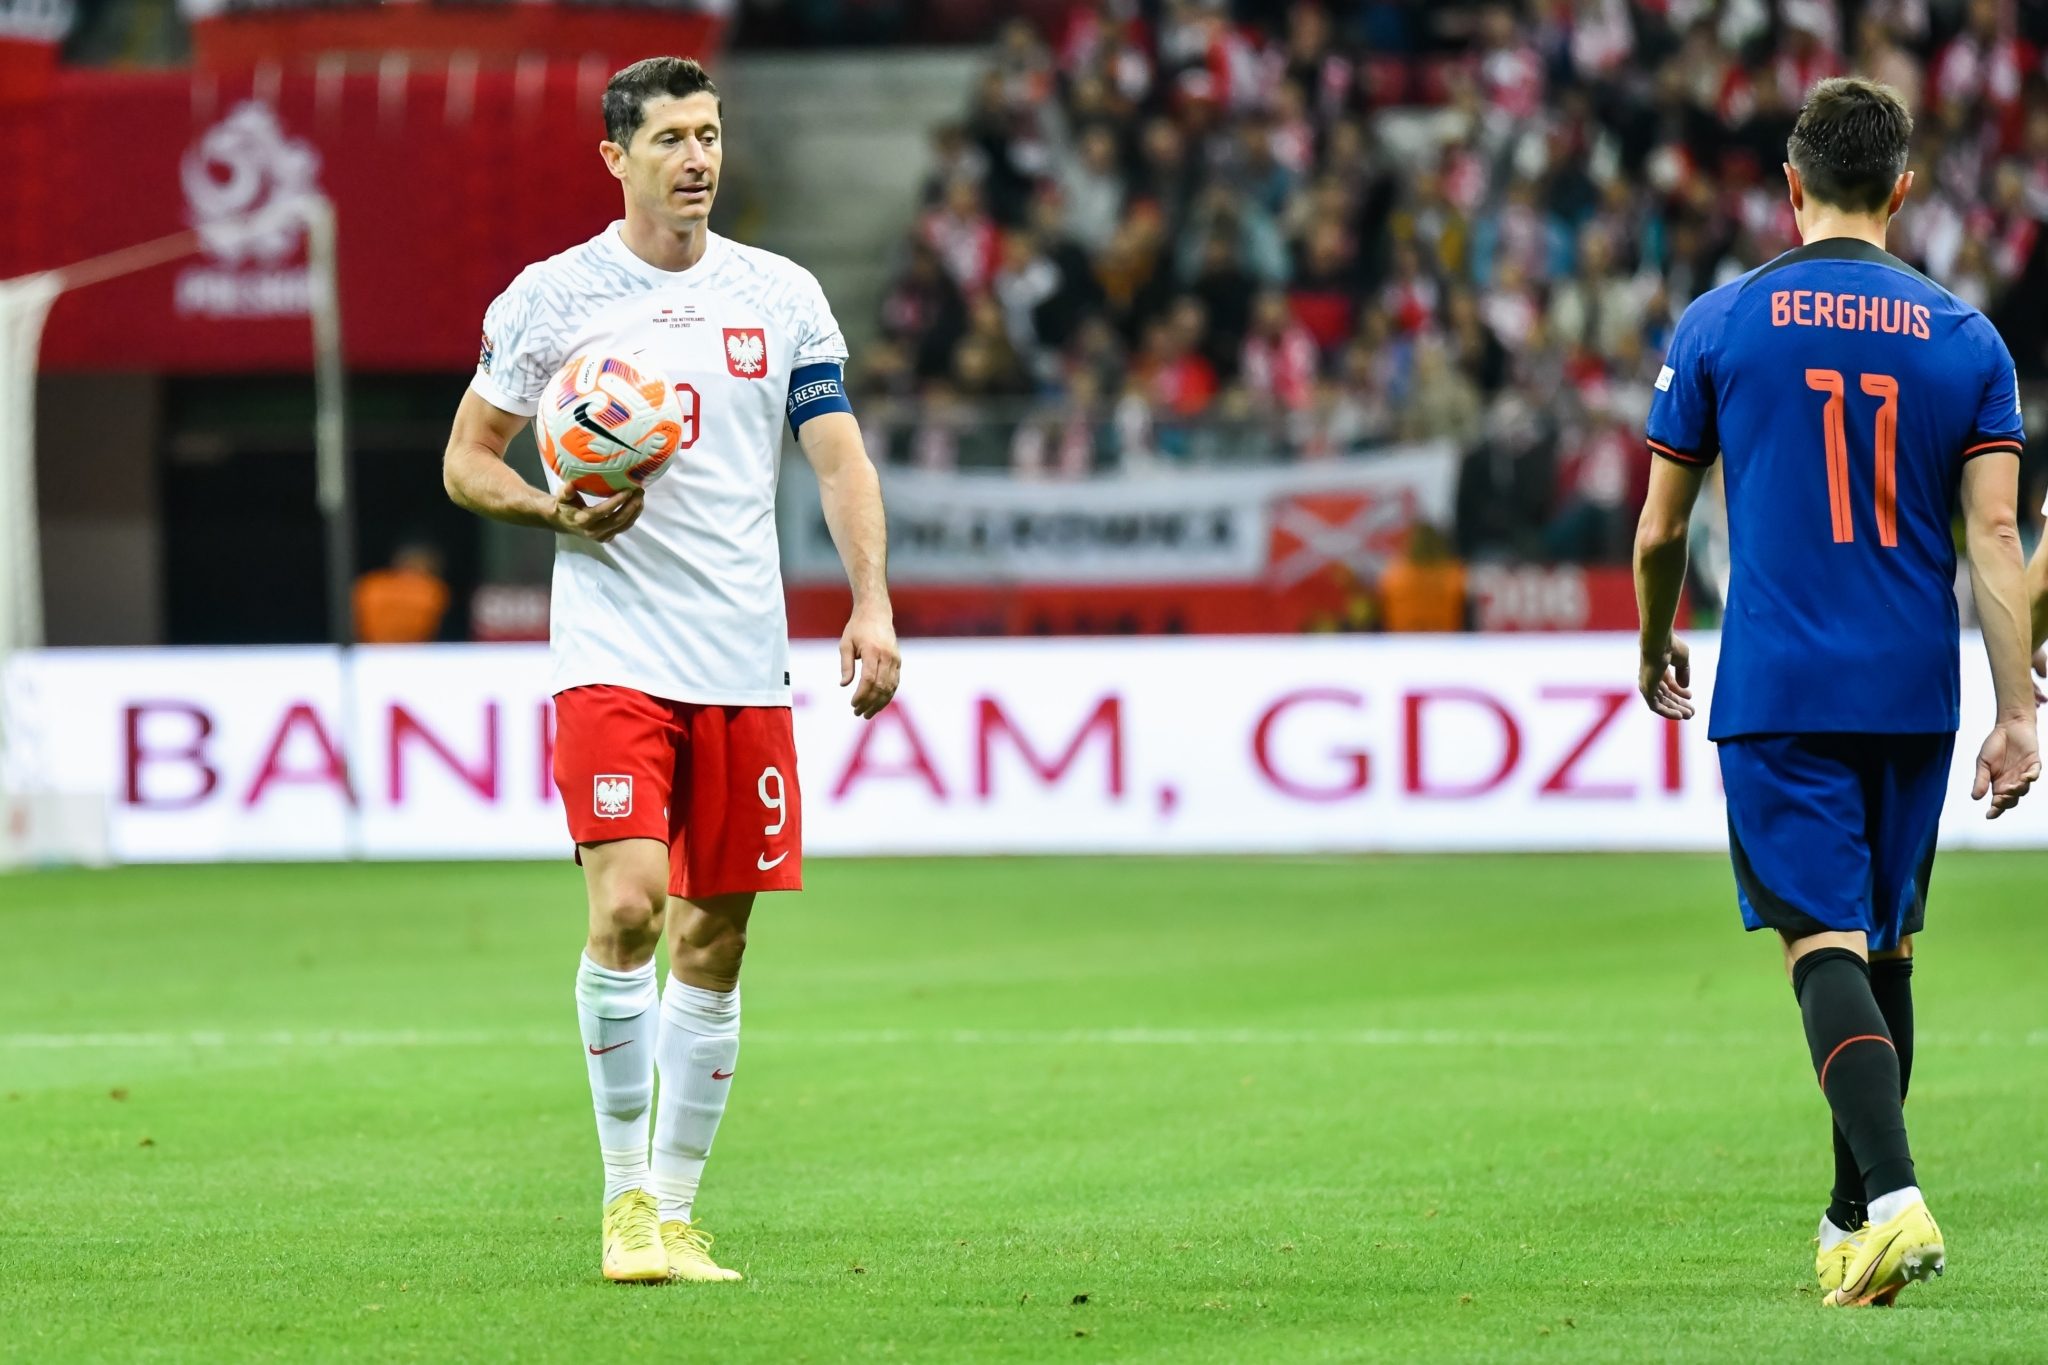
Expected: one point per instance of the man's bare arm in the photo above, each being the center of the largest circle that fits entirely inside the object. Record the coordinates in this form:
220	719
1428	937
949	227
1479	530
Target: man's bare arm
851	493
474	472
1664	672
2010	759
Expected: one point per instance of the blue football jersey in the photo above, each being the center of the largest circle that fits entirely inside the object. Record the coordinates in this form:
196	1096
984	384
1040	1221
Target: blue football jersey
1843	390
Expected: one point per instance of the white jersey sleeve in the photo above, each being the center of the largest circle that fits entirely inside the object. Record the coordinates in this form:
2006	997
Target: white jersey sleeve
817	331
523	346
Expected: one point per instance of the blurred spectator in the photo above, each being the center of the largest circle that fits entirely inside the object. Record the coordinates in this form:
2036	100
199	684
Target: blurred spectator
1594	308
1984	69
1079	296
1256	171
1166	175
1133	277
960	230
1239	427
1410	297
404	603
1092	185
1279	361
1443	402
1008	140
1325	292
953	158
987	363
1475	349
1226	292
1510	69
1224	212
1025	284
1067	438
1598	458
1181	379
1880	56
1424	590
923	309
953	434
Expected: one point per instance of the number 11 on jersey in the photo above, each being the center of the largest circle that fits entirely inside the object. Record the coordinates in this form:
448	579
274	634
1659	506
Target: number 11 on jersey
1834	422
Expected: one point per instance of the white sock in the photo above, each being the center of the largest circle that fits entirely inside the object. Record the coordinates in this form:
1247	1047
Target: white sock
1886	1207
1832	1236
617	1014
695	1050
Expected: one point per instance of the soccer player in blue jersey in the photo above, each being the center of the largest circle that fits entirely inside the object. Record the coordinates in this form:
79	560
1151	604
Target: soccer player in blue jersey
1857	406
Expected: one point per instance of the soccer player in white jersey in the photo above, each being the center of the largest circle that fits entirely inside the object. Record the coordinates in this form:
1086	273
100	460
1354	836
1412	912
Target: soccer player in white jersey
674	754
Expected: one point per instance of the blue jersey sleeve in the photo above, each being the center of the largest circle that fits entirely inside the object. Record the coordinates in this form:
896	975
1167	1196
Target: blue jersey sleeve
1682	425
1999	426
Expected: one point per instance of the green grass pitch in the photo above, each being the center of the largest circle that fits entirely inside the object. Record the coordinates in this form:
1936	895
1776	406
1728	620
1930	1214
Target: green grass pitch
1001	1110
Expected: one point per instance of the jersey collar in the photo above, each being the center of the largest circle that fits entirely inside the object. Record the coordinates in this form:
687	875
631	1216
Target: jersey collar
615	242
1841	249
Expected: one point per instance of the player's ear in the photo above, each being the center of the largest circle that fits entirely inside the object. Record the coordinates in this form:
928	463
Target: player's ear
614	158
1902	188
1794	188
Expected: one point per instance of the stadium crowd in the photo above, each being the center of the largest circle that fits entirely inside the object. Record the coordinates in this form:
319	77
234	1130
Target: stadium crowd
1195	232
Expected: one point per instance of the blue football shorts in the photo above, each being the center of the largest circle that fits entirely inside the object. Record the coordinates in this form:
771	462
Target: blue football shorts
1835	832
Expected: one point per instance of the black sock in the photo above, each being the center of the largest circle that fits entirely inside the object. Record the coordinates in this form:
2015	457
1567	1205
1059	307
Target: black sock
1891	985
1847	1210
1857	1065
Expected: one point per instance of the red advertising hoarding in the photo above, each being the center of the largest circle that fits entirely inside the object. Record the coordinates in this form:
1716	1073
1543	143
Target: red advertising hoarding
446	182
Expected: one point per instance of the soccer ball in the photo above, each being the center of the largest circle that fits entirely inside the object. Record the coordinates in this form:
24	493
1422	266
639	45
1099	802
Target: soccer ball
607	424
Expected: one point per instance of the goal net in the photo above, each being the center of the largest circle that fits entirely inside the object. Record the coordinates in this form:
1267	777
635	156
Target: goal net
48	815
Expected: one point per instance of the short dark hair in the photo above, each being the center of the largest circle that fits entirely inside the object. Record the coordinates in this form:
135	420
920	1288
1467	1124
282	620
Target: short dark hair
1849	145
626	93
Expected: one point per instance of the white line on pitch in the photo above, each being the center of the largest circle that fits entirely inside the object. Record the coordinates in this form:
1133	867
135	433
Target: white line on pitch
204	1039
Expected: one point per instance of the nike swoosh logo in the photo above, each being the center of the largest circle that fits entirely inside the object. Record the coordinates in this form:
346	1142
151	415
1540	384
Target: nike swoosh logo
764	862
600	1051
721	1075
1871	1269
582	416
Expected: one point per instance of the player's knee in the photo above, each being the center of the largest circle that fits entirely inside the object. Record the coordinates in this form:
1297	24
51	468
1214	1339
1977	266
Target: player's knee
628	916
711	943
720	943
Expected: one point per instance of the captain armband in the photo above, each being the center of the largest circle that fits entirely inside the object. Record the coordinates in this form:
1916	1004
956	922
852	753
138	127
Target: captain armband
815	390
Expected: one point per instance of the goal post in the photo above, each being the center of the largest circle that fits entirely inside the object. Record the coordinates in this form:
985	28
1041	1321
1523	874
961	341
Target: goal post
40	822
24	306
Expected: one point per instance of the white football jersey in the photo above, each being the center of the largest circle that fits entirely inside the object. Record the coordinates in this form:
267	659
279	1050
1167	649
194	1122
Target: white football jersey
687	604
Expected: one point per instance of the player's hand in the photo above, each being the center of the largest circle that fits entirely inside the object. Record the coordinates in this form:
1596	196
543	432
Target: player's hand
2040	671
870	641
2007	765
598	522
1665	680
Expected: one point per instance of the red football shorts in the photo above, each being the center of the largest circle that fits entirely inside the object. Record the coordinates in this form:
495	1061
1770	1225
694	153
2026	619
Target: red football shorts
716	784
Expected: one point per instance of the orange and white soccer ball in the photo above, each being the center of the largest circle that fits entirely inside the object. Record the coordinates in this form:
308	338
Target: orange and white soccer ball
607	424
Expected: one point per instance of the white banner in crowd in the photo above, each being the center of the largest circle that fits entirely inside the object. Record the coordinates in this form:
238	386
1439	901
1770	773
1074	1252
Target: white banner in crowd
36	21
1342	744
1197	525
